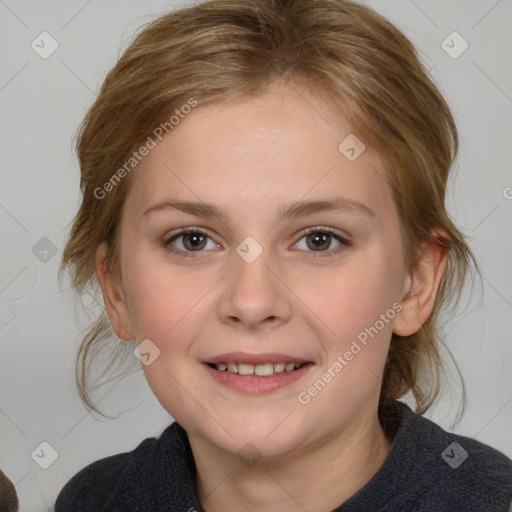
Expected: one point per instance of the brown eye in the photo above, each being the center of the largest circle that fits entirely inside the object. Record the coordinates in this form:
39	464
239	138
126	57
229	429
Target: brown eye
321	240
188	241
194	241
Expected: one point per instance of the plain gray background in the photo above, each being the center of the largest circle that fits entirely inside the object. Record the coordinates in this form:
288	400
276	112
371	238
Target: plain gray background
42	101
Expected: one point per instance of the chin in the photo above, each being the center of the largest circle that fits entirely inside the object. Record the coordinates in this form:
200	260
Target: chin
256	439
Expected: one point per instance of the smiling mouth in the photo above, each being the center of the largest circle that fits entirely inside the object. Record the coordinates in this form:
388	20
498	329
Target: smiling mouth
260	370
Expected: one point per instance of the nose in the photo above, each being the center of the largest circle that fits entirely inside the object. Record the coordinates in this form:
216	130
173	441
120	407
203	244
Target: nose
255	294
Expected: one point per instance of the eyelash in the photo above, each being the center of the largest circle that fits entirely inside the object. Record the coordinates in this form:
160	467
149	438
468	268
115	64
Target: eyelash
316	254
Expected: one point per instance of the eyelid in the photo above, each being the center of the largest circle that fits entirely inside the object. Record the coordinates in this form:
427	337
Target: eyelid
325	229
184	231
301	233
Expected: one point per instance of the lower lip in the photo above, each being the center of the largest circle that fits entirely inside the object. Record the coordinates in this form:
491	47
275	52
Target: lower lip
255	384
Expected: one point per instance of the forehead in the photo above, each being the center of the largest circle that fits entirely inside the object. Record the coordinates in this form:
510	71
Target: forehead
260	153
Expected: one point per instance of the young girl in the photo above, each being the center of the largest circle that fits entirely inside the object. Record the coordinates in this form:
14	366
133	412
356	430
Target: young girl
263	207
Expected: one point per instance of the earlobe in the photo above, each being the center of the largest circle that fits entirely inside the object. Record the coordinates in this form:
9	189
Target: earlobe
408	320
115	304
420	290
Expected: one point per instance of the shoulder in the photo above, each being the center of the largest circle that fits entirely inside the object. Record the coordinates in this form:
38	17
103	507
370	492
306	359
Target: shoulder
99	484
92	486
457	470
474	473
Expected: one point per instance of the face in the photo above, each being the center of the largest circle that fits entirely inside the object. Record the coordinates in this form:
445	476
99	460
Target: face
265	280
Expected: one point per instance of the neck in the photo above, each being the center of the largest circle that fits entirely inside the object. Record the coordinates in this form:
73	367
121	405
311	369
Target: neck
319	478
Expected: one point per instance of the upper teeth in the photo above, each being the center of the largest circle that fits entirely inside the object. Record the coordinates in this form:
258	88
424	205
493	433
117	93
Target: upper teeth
262	370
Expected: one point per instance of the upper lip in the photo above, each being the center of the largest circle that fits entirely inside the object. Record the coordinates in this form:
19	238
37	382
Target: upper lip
244	358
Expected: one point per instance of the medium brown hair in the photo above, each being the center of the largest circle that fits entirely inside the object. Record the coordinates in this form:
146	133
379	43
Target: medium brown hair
224	50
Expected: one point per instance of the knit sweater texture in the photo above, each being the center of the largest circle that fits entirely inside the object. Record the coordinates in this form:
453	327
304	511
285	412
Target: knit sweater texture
427	470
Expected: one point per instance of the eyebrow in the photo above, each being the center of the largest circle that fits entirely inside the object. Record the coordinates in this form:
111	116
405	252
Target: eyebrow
292	210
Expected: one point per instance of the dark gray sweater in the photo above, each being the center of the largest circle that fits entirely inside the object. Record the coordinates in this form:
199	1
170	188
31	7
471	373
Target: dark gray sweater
427	470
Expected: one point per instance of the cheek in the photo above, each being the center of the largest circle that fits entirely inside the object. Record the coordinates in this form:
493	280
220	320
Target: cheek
161	300
357	305
168	308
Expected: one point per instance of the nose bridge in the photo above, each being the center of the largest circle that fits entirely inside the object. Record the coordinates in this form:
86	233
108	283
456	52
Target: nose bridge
253	268
253	279
254	292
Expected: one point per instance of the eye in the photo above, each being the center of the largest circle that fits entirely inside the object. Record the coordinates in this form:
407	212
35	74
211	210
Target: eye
188	240
317	240
320	240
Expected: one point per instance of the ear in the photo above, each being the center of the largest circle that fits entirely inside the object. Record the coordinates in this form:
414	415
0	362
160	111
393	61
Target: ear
421	287
115	304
